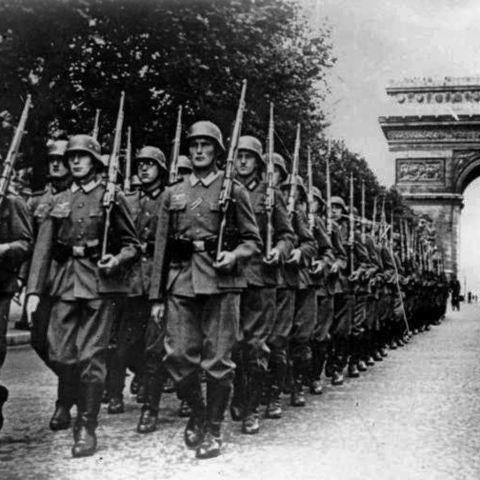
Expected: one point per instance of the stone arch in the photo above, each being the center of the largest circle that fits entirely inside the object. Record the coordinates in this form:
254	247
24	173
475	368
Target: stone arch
468	174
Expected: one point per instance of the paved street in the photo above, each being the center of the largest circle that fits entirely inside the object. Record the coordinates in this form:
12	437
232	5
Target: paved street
414	416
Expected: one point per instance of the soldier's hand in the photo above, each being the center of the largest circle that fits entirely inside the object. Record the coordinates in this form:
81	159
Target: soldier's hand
273	258
336	266
31	307
108	264
354	276
157	312
317	266
295	257
4	248
225	262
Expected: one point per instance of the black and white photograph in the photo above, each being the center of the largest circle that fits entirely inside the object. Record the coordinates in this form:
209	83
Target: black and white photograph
239	239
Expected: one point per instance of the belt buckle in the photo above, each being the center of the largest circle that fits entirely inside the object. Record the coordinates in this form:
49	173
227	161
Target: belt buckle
78	251
198	245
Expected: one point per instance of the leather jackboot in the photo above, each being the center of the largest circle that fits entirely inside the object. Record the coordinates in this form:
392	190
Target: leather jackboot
3	399
153	382
319	354
237	405
278	370
67	395
89	401
250	423
218	393
190	390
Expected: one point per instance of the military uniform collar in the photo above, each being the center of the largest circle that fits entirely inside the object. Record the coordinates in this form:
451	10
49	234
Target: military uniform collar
206	182
88	187
151	193
253	184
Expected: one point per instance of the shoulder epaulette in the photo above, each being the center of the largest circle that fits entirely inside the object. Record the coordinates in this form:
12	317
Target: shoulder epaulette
178	180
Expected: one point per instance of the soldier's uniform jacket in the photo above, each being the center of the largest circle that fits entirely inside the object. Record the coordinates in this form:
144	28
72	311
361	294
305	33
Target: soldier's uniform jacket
299	276
144	207
16	231
41	203
325	253
256	271
375	254
388	265
64	262
189	222
361	260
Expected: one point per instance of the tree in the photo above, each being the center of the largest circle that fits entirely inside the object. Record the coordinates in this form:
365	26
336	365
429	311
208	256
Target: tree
75	56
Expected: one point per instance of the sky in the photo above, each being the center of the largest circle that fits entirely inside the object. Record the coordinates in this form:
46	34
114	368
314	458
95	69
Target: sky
380	40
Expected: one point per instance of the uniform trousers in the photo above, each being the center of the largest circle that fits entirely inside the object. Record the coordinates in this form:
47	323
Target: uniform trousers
257	317
303	326
201	332
324	318
78	337
278	339
4	311
39	329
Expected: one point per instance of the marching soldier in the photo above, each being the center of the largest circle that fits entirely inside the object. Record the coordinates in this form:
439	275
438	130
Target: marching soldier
257	304
67	265
297	273
130	332
16	245
39	205
202	291
184	166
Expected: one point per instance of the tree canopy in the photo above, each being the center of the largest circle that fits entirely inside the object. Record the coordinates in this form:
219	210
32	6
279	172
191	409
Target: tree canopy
76	56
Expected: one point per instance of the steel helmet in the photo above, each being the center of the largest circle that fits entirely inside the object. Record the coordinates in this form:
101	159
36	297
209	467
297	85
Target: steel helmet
57	148
316	193
152	153
280	162
339	201
299	180
84	143
184	162
207	129
252	144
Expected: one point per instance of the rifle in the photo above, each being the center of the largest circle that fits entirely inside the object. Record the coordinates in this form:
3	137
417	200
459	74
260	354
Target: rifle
363	214
9	164
96	124
329	193
270	196
176	148
374	217
311	215
128	162
351	232
109	196
293	186
225	197
403	255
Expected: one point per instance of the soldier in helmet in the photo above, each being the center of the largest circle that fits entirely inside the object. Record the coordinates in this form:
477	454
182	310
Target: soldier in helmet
258	301
39	205
184	166
67	265
129	350
302	291
200	290
16	244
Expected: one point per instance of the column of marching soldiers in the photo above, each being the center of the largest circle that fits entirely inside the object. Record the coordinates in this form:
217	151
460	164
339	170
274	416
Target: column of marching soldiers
243	279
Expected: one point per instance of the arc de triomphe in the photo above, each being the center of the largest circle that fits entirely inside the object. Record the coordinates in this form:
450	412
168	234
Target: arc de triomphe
433	131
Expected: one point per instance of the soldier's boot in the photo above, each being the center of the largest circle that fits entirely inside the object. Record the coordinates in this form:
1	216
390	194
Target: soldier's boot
250	423
153	381
278	370
339	361
67	395
237	405
111	354
218	394
184	411
190	390
3	399
135	385
319	353
141	394
297	397
116	382
288	379
89	401
354	345
329	363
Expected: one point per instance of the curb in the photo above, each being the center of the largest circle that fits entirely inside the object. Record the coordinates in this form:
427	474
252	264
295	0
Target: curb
18	337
